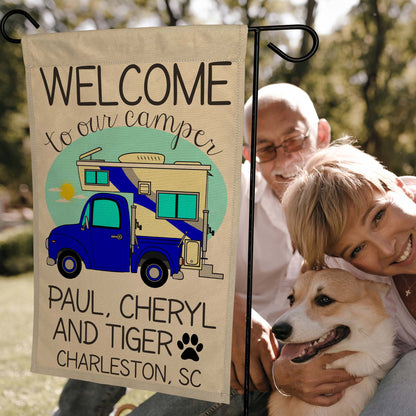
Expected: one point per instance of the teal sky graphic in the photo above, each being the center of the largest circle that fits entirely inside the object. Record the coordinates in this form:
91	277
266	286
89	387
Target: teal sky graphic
64	196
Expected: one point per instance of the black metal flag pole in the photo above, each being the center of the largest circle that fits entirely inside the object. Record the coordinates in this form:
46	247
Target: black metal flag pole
257	30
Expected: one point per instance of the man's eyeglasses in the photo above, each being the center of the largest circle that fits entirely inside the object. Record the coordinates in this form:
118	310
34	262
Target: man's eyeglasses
267	152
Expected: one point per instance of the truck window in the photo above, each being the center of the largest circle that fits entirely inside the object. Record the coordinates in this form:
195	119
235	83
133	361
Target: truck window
96	177
106	213
177	206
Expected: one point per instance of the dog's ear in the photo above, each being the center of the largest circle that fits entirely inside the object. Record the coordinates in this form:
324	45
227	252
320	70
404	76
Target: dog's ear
381	288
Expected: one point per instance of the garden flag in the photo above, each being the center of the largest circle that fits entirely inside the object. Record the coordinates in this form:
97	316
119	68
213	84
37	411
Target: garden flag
136	149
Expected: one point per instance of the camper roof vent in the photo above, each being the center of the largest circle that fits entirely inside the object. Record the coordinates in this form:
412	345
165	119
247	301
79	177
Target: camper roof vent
142	158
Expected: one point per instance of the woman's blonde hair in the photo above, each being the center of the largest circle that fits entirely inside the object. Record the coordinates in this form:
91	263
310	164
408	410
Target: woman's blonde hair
318	202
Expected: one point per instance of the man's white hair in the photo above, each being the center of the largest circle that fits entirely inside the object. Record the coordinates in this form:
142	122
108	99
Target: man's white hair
285	95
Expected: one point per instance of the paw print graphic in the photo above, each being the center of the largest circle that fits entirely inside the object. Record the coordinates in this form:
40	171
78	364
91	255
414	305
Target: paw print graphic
190	352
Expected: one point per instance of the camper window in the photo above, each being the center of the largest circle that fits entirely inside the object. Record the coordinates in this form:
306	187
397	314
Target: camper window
96	177
177	206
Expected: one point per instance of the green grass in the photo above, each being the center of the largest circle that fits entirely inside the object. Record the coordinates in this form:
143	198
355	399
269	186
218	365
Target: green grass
23	392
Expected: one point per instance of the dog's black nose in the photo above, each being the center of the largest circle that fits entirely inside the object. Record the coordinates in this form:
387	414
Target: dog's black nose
282	330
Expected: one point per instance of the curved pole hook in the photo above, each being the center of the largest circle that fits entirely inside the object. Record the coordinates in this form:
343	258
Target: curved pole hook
10	13
282	54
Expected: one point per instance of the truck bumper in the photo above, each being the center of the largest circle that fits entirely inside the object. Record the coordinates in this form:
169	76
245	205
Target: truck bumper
178	276
50	261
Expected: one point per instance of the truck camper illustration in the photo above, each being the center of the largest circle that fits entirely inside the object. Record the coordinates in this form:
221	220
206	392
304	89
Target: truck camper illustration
163	232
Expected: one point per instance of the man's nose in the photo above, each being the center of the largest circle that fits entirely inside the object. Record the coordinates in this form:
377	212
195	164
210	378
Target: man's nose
284	159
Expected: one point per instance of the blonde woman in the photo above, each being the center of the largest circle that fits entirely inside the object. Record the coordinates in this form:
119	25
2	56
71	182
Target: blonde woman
347	210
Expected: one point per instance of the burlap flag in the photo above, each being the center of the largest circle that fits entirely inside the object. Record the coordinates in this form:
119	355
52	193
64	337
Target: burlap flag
136	145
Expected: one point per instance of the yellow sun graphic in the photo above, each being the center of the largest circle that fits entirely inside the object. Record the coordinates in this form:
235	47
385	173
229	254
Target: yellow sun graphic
67	191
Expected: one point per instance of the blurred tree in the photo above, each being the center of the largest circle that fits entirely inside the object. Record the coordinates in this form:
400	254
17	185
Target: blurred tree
270	12
14	143
301	69
363	79
104	14
176	12
296	72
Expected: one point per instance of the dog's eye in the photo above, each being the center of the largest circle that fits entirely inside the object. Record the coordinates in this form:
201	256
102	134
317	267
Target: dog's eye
291	299
323	300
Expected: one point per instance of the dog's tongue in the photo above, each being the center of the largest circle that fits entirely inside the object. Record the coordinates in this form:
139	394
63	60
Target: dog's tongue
290	351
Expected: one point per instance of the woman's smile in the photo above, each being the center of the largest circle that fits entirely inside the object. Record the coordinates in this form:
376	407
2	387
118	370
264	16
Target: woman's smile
406	253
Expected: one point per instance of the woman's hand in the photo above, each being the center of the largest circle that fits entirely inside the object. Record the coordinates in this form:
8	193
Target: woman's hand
312	382
263	350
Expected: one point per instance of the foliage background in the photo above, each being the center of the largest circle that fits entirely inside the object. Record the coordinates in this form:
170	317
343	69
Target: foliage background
362	78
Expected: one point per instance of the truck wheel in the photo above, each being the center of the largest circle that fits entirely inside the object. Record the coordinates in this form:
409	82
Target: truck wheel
69	264
154	272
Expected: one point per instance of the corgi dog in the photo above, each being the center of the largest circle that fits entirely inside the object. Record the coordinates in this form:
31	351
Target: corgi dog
333	311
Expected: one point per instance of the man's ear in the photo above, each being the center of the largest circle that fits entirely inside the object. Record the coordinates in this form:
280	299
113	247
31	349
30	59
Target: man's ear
324	133
246	153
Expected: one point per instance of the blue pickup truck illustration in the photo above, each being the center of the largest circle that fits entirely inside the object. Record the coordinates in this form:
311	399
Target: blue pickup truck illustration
162	233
